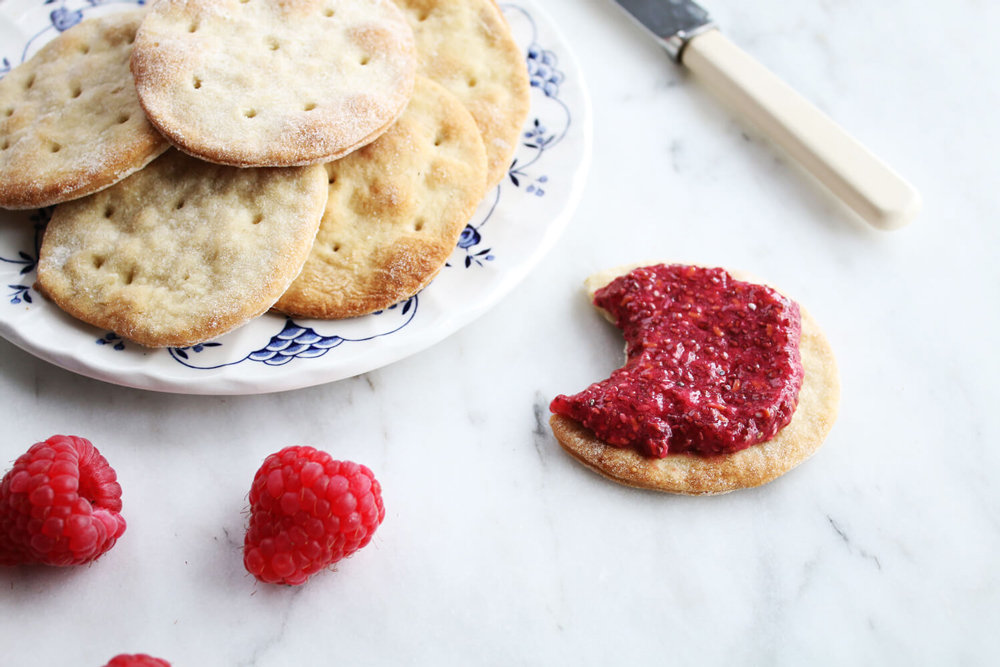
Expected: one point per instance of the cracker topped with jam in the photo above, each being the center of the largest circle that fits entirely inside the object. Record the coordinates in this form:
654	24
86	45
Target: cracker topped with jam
728	384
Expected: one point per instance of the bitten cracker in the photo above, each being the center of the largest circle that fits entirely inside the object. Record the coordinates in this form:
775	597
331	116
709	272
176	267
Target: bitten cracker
395	212
70	120
758	464
272	82
467	47
182	251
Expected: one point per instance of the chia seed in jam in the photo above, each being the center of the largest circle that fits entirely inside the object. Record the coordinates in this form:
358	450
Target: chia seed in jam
713	364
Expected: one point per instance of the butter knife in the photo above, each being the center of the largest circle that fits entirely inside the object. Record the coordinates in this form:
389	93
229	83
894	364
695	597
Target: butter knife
835	158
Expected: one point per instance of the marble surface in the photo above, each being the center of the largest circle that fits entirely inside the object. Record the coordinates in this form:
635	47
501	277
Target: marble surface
497	548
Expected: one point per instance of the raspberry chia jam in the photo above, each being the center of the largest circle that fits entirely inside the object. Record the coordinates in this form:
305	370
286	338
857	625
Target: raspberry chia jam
713	364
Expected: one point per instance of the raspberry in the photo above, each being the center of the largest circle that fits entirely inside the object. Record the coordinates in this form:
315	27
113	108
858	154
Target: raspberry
59	505
137	660
308	511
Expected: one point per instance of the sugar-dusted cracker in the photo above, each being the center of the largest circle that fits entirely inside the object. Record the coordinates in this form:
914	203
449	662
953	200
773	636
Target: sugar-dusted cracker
395	212
70	120
467	47
819	399
182	251
273	82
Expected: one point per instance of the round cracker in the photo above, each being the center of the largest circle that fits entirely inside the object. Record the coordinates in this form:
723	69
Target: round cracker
70	120
687	474
395	211
467	47
182	251
273	82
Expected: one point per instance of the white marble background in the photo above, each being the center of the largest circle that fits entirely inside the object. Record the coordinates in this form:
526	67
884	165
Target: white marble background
497	549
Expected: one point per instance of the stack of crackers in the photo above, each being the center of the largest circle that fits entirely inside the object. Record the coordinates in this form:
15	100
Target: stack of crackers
214	159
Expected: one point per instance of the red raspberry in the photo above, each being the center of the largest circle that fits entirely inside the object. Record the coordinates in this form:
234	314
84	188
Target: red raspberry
59	505
137	660
308	511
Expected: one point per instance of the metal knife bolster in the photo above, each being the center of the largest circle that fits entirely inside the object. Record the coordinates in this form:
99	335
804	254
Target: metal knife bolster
671	22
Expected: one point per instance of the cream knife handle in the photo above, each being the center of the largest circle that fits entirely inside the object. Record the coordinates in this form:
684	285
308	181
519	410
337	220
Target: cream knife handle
851	171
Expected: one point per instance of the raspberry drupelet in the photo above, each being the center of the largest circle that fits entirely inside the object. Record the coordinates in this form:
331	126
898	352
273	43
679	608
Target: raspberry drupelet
59	505
308	511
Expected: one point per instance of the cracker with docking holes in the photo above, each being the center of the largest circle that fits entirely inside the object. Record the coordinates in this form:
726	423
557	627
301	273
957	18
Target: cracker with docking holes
70	120
273	82
690	474
467	47
184	250
395	212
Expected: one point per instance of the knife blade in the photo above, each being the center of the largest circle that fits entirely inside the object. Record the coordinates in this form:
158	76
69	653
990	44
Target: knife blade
841	163
670	22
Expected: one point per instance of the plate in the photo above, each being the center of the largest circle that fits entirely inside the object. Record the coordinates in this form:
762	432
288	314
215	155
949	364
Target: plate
513	228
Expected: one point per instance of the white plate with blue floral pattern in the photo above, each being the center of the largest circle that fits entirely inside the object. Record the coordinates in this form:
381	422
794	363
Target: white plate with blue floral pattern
514	227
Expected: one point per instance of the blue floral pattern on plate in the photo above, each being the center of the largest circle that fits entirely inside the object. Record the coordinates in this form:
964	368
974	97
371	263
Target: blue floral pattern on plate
116	342
28	262
543	74
294	341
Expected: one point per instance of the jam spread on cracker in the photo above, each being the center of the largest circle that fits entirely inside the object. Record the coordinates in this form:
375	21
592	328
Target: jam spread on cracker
713	364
